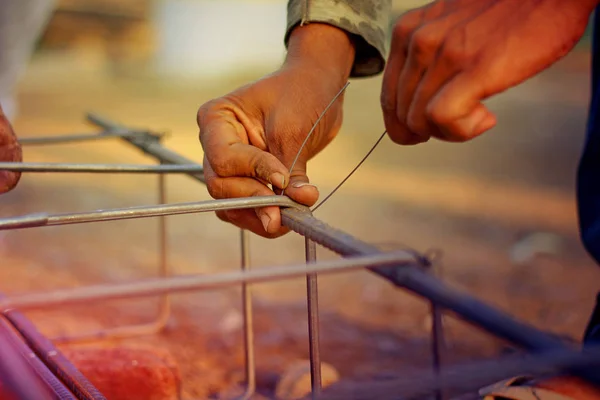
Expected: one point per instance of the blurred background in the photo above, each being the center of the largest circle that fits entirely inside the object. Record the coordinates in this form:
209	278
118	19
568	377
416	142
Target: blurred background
501	208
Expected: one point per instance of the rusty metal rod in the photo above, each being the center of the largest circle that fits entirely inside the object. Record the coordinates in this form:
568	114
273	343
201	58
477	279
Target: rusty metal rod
312	297
37	220
24	376
101	168
149	147
53	358
153	287
249	356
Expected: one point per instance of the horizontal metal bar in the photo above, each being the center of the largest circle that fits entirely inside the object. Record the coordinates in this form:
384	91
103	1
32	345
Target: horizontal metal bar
81	137
38	220
153	287
100	168
149	147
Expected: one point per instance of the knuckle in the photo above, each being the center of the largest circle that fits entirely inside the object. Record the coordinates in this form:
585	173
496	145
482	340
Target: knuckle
406	25
219	163
454	51
215	187
415	124
437	116
203	111
388	103
423	45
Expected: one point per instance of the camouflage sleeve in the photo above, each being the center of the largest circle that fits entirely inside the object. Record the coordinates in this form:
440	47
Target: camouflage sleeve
367	20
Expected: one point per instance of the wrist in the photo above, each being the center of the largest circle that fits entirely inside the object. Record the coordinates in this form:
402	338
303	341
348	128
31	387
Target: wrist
322	47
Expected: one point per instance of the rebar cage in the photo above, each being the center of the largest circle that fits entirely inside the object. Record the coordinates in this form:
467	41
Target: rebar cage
403	269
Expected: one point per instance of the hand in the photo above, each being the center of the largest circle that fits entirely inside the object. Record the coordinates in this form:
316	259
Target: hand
449	56
10	150
251	136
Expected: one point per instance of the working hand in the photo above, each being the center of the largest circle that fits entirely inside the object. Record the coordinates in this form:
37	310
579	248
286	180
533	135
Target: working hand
10	150
449	56
251	136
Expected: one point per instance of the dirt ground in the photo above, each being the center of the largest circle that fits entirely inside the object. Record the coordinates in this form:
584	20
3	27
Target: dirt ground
501	209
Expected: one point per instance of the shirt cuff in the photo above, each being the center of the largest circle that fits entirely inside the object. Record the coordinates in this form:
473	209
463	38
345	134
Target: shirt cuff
368	22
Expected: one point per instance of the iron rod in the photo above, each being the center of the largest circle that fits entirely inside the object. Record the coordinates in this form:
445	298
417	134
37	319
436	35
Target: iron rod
100	168
312	296
249	357
153	287
164	307
37	220
149	147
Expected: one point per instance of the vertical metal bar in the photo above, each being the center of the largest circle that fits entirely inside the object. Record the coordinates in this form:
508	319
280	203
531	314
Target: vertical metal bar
163	255
249	360
164	305
437	337
313	320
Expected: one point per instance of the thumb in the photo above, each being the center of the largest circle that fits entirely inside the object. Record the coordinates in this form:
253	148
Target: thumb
300	189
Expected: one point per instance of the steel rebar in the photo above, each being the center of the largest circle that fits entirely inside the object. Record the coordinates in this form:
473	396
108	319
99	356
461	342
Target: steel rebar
249	357
37	220
101	168
312	296
152	287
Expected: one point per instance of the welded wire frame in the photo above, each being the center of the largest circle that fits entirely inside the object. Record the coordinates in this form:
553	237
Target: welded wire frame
402	269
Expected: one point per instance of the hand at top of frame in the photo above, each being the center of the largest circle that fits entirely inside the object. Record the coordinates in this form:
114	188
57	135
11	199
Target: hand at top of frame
251	136
10	150
449	56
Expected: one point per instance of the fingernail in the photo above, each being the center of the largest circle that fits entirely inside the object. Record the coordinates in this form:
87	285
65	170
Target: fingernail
265	219
298	185
470	125
276	178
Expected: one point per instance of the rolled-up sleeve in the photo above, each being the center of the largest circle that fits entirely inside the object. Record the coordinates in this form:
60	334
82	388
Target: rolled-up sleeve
367	20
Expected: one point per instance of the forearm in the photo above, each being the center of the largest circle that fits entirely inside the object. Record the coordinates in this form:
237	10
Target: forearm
325	48
366	22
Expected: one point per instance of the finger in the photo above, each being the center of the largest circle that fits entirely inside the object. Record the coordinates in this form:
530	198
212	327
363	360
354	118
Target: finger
417	117
246	219
226	147
300	189
457	109
10	150
401	35
236	187
421	54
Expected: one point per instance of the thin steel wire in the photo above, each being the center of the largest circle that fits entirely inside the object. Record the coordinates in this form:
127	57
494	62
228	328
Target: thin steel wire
351	172
176	284
315	126
101	168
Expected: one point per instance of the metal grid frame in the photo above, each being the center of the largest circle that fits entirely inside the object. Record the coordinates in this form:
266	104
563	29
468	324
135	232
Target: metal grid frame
404	269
